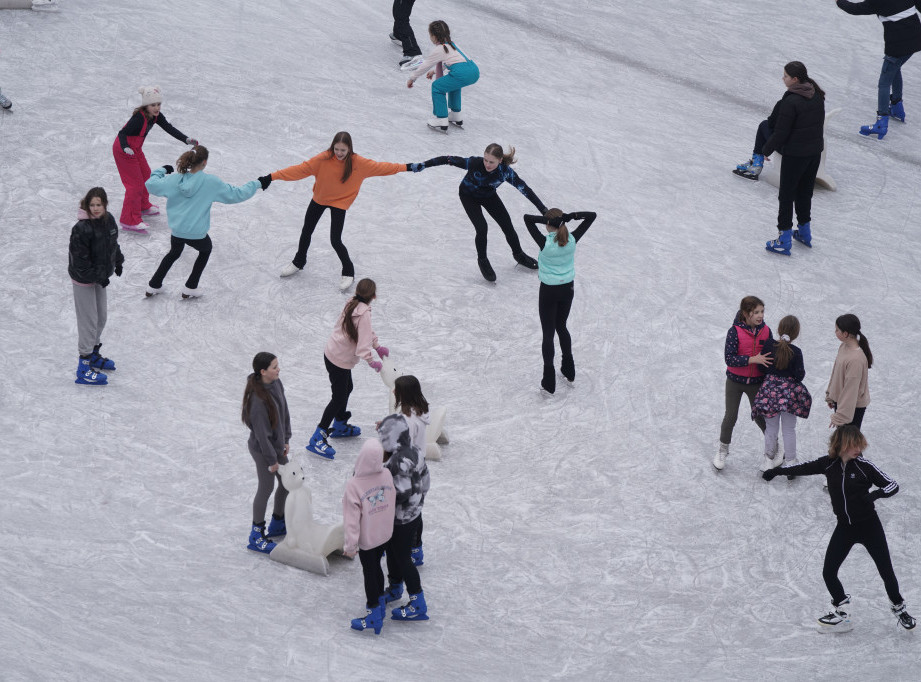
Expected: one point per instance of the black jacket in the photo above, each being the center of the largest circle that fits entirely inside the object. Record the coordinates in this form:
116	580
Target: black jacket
798	123
901	25
848	485
94	250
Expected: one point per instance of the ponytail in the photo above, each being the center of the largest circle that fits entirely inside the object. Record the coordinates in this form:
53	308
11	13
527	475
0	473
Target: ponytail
365	292
783	354
196	156
562	232
797	70
850	324
255	386
495	149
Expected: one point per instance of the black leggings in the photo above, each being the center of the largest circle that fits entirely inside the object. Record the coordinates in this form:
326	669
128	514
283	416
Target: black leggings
176	244
401	28
340	381
553	304
266	485
336	224
373	574
797	182
400	566
871	535
494	206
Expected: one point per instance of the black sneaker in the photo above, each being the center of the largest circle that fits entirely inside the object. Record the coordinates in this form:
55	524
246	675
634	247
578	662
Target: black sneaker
524	259
488	273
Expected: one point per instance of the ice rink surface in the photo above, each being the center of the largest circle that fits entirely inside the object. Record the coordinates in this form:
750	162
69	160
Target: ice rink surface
584	536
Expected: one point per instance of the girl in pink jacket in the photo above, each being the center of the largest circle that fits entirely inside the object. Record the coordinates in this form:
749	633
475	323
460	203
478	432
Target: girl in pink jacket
352	341
368	507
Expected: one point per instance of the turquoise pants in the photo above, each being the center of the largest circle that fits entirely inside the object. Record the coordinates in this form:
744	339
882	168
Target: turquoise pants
446	91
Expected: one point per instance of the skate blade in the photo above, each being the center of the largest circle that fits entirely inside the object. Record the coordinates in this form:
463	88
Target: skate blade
745	174
440	129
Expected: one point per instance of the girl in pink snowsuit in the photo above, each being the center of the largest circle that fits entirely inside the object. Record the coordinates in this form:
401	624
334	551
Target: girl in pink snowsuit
132	164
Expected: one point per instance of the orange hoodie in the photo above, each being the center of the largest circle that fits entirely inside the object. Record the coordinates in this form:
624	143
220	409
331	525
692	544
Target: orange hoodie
328	188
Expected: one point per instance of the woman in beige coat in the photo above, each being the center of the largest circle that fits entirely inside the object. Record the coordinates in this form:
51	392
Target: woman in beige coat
848	393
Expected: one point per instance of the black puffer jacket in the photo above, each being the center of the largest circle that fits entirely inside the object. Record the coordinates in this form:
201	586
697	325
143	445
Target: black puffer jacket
901	26
94	250
798	121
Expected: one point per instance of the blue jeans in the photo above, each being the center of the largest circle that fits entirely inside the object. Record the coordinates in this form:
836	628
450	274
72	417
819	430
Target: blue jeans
465	73
890	81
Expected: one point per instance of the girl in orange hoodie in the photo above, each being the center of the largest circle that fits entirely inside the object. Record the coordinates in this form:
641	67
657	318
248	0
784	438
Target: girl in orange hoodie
339	173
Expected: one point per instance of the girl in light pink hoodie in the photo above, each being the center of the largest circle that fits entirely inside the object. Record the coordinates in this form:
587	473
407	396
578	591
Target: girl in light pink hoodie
368	508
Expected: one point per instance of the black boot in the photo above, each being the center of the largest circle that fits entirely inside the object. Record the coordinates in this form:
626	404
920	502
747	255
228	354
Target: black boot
488	273
548	383
568	368
524	259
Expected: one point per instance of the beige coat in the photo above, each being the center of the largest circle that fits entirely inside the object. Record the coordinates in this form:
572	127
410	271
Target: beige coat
848	387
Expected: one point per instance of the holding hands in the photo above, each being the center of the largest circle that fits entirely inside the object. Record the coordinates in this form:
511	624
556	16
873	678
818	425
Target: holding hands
265	181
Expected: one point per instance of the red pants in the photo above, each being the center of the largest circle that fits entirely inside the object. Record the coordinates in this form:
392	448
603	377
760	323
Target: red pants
134	172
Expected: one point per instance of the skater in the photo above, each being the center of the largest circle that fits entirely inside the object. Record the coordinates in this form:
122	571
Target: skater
415	408
411	481
478	191
745	363
556	269
368	508
446	88
339	173
403	34
265	413
131	162
782	396
189	196
902	36
94	256
849	477
351	341
848	392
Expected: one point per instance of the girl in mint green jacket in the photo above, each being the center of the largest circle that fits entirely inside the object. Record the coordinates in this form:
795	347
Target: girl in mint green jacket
189	196
556	269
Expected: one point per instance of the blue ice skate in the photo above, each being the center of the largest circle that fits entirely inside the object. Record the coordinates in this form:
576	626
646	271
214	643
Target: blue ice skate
374	619
394	593
897	111
87	375
803	234
342	429
751	169
319	446
418	556
277	528
782	244
258	542
880	128
99	362
414	610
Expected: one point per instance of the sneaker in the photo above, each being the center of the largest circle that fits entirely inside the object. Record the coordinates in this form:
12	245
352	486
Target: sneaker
258	542
416	609
152	291
345	282
190	293
99	362
838	619
87	375
455	118
411	63
277	528
524	259
342	429
153	210
905	620
486	269
782	244
5	102
289	269
438	124
418	556
719	461
140	228
319	446
394	593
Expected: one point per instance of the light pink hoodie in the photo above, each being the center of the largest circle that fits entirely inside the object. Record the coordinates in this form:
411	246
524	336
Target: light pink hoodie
369	502
345	353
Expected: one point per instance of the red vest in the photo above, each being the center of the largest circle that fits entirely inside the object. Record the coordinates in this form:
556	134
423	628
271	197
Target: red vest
750	344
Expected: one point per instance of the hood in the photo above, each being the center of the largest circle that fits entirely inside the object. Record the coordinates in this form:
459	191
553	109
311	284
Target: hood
360	309
370	459
82	215
190	183
394	432
806	90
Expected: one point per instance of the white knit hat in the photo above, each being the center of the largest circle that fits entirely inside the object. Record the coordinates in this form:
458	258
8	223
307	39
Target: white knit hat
150	94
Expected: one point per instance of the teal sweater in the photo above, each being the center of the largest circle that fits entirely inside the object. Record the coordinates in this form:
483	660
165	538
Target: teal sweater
189	197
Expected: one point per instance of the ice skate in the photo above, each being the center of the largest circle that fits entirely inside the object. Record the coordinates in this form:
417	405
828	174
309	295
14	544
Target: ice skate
751	169
373	620
486	269
838	619
289	269
152	291
5	102
880	128
258	542
418	556
416	609
438	124
524	259
455	118
277	528
153	210
319	446
782	244
99	362
548	382
719	461
140	228
411	63
394	593
87	375
342	429
190	293
345	282
767	463
905	620
568	368
897	111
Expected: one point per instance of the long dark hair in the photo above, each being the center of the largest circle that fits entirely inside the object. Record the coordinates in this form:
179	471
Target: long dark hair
365	292
92	194
408	394
851	324
797	70
255	386
343	137
195	156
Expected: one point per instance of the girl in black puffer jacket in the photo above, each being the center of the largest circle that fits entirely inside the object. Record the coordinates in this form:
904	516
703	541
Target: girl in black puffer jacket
93	258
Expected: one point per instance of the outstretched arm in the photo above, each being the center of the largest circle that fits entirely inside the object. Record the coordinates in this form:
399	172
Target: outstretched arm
512	178
456	161
173	130
857	7
375	169
230	194
298	171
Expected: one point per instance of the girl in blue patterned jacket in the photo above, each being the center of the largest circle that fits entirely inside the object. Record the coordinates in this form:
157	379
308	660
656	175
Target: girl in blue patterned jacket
478	191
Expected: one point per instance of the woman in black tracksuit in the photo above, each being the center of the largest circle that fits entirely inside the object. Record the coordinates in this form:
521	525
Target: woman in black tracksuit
850	477
478	191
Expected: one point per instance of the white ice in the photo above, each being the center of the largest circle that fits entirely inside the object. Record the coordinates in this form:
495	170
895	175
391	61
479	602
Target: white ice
585	536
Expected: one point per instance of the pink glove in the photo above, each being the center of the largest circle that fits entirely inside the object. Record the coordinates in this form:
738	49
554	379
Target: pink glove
383	351
376	366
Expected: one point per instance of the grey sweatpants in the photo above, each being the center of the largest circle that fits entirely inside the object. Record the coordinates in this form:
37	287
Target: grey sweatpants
267	481
90	303
734	393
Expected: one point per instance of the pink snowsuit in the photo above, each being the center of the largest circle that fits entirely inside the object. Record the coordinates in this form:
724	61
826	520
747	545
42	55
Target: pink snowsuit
134	172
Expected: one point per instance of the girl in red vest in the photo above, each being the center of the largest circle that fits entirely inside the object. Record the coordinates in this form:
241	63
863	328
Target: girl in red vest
744	361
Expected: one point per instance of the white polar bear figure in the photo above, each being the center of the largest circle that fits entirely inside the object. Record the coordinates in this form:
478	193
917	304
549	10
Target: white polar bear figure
435	434
307	543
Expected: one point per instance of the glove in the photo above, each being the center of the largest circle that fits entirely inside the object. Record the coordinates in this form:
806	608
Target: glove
376	366
128	150
118	270
770	474
383	351
168	168
104	283
192	141
265	181
415	167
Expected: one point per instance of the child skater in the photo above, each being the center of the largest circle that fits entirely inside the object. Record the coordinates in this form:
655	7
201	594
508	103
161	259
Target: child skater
94	256
131	162
478	191
902	37
446	88
351	341
848	392
412	404
849	477
411	480
556	269
782	396
265	412
339	173
368	507
189	196
745	363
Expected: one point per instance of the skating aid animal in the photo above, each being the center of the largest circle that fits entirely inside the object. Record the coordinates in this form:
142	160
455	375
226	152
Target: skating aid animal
435	434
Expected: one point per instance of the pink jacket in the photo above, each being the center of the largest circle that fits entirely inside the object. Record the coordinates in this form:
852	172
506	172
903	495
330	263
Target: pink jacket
369	502
345	353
